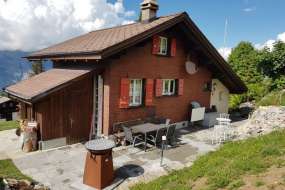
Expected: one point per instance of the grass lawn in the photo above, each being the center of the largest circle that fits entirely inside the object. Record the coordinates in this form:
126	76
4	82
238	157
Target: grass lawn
6	125
9	170
227	167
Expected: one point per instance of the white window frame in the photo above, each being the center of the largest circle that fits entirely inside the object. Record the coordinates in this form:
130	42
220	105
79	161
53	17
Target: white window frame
135	91
163	50
166	89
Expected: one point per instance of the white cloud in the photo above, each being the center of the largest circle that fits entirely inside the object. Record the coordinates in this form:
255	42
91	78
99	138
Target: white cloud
249	9
34	24
270	43
281	37
225	52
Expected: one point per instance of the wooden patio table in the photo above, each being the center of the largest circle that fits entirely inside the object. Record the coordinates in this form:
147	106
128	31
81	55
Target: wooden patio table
145	129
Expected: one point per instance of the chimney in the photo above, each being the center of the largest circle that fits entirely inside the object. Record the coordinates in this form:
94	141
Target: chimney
148	10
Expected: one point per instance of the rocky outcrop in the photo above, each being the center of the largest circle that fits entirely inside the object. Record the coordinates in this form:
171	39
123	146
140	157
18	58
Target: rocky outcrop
263	121
13	184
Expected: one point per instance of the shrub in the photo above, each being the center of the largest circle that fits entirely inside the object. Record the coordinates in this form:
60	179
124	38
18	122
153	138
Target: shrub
276	98
235	101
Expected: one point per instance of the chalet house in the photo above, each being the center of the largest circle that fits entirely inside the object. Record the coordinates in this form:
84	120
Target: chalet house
8	109
154	67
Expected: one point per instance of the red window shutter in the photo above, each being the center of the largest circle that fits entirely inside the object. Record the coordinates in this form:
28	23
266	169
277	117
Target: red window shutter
180	87
173	47
149	92
125	91
156	44
158	87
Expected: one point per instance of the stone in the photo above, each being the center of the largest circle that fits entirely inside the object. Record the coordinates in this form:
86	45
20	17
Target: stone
263	121
40	187
12	182
24	184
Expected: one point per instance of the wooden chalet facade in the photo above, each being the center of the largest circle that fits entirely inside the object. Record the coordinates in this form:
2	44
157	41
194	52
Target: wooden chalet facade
8	108
120	74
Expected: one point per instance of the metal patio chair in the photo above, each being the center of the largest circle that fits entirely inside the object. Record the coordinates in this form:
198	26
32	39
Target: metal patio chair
170	135
157	139
167	122
133	139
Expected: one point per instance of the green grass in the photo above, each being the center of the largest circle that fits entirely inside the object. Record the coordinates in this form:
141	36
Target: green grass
6	125
224	167
9	170
259	183
273	99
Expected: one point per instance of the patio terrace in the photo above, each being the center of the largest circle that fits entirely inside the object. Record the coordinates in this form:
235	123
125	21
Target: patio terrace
63	168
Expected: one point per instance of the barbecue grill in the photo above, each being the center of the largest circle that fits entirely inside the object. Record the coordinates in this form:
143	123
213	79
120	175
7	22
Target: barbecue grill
99	172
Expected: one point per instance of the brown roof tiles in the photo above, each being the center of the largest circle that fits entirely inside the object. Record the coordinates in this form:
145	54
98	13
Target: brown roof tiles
42	83
100	40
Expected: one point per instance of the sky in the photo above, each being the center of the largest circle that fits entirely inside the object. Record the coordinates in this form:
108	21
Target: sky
30	25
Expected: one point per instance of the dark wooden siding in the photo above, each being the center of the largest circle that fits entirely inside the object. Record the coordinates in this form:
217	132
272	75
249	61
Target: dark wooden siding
67	112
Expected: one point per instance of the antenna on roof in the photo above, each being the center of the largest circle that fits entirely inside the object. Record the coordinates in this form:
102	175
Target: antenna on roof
226	33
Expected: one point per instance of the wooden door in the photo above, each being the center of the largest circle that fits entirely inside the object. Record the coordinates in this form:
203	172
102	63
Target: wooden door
79	113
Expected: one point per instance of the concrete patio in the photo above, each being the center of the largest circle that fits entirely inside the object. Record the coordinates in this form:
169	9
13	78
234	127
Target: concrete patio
63	168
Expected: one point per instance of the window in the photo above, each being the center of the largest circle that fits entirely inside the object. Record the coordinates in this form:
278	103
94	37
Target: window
163	46
135	92
169	87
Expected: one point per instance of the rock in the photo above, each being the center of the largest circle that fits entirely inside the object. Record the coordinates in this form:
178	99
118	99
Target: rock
263	121
40	187
13	184
245	109
24	185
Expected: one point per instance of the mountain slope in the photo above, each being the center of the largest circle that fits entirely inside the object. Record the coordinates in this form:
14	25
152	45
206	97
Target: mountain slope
12	67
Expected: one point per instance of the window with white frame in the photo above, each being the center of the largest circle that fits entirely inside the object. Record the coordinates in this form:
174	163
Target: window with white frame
169	87
135	92
163	46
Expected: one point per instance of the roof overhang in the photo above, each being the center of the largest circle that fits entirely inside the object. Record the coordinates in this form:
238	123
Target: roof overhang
77	56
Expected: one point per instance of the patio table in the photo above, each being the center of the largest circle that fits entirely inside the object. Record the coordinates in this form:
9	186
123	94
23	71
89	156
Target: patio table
145	129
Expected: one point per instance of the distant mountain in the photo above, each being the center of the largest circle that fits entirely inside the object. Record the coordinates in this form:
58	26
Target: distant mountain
12	67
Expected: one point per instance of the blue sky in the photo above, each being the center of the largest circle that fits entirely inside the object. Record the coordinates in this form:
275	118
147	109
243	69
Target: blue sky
251	20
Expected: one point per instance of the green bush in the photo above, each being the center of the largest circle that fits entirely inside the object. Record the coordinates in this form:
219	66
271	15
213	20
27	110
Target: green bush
279	83
258	90
235	101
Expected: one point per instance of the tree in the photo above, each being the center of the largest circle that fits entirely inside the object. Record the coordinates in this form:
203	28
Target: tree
37	67
244	60
272	64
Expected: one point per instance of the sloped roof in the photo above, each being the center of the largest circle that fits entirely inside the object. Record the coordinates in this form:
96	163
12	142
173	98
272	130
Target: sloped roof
103	43
97	41
4	99
43	83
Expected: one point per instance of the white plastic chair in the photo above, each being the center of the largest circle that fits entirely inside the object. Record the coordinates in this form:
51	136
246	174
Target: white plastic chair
219	134
222	131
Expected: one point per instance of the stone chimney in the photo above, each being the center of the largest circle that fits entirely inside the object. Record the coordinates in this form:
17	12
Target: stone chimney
148	10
